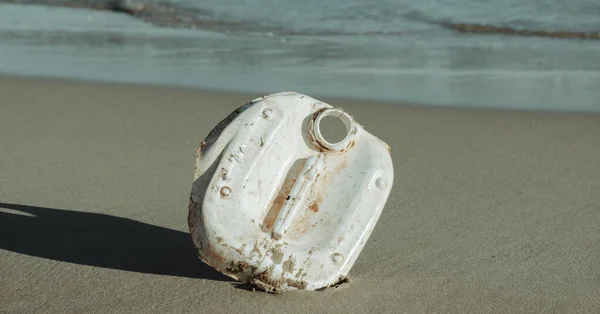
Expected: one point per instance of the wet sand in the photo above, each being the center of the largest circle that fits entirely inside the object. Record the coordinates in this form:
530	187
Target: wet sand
491	211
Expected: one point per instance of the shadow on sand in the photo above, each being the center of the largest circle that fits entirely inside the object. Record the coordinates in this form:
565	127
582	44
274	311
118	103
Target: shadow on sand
102	241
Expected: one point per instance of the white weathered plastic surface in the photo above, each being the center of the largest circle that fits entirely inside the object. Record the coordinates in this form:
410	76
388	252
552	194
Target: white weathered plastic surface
276	205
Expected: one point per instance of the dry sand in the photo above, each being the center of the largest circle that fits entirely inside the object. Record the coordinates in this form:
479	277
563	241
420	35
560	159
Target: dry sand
491	211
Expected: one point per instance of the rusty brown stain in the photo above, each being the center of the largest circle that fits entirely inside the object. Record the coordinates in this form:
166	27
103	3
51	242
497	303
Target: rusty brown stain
202	145
314	206
240	251
193	213
343	164
272	214
280	199
351	144
240	267
320	148
277	204
301	223
312	139
213	255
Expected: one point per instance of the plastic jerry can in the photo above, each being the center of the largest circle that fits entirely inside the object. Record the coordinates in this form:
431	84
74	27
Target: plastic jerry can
278	205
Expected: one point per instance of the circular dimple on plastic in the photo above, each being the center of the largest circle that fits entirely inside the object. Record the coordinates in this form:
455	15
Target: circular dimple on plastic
345	119
381	183
226	192
267	113
337	258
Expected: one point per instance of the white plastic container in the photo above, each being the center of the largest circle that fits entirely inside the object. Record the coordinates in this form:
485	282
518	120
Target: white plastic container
276	205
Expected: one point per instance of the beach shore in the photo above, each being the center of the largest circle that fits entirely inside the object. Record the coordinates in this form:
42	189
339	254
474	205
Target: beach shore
491	211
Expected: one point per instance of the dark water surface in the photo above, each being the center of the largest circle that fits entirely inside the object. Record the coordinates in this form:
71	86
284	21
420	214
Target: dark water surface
510	54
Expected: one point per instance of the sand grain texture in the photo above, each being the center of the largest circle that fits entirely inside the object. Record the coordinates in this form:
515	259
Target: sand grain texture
491	211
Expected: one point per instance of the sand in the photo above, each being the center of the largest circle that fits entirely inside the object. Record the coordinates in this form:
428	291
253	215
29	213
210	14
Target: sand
491	211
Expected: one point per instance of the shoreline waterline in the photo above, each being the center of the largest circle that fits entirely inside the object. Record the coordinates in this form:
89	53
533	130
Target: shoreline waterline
440	69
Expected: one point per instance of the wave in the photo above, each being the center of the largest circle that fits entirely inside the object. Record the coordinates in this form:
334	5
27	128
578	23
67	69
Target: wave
504	30
491	29
165	14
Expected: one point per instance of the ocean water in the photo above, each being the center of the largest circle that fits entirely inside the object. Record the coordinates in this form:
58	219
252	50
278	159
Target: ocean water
537	54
